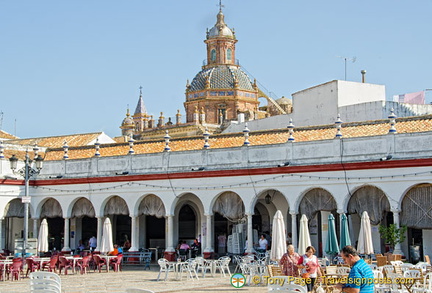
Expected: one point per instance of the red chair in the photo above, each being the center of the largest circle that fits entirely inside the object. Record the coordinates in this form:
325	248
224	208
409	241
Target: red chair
31	265
51	265
99	262
65	264
84	264
116	263
16	269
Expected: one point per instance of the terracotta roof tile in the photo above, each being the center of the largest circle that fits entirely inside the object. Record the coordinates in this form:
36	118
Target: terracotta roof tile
5	135
312	133
72	140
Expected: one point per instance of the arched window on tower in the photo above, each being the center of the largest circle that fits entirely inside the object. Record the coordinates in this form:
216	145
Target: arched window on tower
229	54
213	55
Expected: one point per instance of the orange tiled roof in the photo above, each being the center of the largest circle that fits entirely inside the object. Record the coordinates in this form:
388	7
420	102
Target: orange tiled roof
312	133
5	135
73	140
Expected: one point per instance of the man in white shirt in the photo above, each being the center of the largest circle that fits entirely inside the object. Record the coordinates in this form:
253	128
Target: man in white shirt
263	243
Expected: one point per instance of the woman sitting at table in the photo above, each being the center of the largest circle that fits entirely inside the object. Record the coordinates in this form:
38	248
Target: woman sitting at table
116	250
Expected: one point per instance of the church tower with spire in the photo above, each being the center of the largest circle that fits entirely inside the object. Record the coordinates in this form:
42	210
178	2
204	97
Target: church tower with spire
221	90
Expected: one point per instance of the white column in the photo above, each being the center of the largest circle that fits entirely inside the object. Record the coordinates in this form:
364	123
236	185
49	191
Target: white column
66	235
35	227
170	233
249	248
1	235
397	248
294	229
134	234
209	246
99	233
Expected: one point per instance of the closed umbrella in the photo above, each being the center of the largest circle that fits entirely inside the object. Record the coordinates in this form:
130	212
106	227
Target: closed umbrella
42	245
344	232
365	245
304	239
332	246
278	246
107	239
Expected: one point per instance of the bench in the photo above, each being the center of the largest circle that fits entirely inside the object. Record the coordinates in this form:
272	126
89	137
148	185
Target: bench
137	258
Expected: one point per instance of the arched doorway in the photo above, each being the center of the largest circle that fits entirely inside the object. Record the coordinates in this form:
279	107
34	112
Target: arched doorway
374	201
416	214
52	211
14	223
317	204
118	211
83	218
151	213
229	224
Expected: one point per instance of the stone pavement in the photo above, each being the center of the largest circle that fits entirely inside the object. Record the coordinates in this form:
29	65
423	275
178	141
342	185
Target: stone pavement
132	277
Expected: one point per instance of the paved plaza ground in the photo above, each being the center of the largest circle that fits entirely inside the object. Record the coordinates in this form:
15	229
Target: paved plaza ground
133	277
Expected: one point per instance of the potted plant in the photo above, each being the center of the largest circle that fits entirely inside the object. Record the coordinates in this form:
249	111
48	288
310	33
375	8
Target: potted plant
392	234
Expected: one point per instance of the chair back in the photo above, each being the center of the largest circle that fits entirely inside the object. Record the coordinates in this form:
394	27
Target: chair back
42	282
373	266
406	266
163	263
427	259
412	274
274	270
381	261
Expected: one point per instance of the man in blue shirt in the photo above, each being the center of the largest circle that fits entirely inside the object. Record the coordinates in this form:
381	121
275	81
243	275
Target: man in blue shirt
360	278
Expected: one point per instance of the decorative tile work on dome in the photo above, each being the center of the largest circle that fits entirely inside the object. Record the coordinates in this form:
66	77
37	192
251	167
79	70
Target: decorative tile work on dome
276	136
221	77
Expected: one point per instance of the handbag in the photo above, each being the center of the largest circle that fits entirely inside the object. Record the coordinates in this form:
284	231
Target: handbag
305	276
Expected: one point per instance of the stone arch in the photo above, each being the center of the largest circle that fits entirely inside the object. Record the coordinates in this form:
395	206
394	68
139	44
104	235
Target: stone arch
14	208
116	205
230	205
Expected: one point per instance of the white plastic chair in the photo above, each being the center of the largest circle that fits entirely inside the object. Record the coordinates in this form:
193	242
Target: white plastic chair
165	267
44	282
426	286
406	266
378	275
291	288
412	274
202	266
136	290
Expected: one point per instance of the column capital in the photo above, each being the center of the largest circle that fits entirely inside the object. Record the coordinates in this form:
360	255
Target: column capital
341	211
293	213
170	215
395	210
249	214
207	215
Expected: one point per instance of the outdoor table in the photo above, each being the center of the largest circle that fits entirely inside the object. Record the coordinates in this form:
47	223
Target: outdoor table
74	259
108	258
5	263
41	260
408	285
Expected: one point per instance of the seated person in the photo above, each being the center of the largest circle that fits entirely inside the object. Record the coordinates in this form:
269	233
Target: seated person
115	251
196	248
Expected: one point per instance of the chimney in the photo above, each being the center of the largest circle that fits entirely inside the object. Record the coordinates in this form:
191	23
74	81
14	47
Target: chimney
363	72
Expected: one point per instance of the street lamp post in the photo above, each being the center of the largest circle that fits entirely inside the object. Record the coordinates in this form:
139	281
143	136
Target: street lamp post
27	172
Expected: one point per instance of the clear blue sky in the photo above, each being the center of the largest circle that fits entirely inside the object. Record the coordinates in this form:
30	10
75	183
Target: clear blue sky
74	66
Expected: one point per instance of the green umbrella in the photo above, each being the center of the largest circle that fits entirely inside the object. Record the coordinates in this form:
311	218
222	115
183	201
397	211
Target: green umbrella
344	233
332	246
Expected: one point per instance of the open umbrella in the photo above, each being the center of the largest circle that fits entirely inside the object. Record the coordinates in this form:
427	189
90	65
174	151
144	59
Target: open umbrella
304	239
42	245
332	246
344	232
278	246
365	245
107	240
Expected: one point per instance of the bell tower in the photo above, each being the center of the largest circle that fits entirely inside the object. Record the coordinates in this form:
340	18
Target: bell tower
220	42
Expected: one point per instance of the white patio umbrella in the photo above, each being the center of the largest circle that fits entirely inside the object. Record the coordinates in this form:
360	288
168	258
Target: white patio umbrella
278	246
107	239
365	245
304	238
42	245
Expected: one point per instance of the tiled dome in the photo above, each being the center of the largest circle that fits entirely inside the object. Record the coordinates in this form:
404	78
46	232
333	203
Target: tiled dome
221	77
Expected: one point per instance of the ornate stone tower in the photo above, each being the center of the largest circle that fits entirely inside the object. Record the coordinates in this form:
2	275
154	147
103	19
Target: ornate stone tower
221	90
